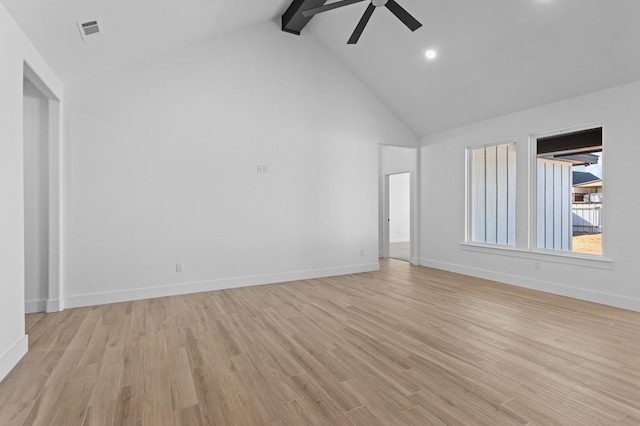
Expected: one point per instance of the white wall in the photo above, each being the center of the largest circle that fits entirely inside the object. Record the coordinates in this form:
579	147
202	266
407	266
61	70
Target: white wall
163	160
443	219
36	197
400	207
15	49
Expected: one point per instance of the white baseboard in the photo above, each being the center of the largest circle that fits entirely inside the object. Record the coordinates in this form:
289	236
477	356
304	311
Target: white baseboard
93	299
10	359
32	306
54	305
544	286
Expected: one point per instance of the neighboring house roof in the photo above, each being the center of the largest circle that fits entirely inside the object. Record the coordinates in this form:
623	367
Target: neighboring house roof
583	177
592	184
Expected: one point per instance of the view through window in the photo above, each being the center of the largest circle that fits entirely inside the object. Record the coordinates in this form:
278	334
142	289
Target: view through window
493	194
569	205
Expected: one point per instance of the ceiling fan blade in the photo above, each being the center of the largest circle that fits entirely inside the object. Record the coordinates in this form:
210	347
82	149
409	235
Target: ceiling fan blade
411	22
363	23
326	7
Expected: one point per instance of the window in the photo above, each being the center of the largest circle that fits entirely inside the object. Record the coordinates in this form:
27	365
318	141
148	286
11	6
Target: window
493	194
569	196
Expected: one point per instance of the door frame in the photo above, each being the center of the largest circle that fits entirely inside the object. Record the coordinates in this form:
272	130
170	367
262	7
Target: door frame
54	302
393	159
386	211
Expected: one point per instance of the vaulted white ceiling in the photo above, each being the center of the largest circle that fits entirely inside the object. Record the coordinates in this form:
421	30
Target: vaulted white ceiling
133	29
494	56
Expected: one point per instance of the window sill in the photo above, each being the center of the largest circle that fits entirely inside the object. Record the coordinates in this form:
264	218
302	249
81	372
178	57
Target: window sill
579	259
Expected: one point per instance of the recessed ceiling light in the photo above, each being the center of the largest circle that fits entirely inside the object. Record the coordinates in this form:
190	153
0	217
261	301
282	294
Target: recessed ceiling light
431	54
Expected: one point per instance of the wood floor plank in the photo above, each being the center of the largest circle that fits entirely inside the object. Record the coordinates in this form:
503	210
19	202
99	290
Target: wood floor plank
134	359
45	406
281	385
383	409
183	392
157	398
323	412
285	361
95	347
44	363
157	392
14	414
129	406
100	415
10	386
44	335
404	345
341	395
629	421
77	352
196	346
214	406
470	403
32	319
189	416
76	396
361	416
298	414
242	409
418	416
109	377
262	394
363	364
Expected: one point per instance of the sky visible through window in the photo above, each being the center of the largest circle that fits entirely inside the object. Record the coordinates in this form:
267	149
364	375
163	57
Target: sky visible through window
594	169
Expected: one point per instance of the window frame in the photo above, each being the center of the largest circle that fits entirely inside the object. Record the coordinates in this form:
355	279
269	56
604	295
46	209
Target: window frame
533	192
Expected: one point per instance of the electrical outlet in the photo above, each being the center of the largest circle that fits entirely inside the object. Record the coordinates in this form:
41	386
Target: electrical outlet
262	169
361	252
180	267
537	265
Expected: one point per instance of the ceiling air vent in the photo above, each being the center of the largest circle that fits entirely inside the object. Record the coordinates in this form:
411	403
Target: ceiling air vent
89	28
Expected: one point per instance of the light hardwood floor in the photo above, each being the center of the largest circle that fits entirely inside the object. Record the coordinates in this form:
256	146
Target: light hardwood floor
406	345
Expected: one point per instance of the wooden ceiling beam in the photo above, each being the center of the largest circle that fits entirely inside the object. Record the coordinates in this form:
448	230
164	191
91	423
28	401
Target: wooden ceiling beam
293	21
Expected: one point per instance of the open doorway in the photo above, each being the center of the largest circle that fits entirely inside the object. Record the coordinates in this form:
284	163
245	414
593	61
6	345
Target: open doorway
36	197
398	195
41	148
399	186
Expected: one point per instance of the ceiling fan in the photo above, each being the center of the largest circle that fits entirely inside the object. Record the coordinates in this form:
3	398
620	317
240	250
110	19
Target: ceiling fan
406	18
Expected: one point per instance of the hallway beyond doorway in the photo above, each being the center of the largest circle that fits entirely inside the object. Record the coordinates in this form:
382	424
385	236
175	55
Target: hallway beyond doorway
399	251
